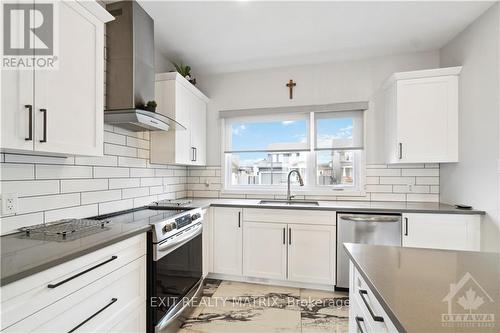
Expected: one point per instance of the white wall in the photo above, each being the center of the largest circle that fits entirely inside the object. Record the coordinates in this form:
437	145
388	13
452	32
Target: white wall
162	64
475	179
316	84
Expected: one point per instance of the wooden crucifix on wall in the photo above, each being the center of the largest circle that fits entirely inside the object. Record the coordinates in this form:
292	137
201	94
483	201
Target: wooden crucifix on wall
290	86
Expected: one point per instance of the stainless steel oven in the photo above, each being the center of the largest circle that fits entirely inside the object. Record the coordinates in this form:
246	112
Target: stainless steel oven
175	273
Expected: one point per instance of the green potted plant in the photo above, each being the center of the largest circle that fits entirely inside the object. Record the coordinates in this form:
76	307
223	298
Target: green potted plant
185	71
151	106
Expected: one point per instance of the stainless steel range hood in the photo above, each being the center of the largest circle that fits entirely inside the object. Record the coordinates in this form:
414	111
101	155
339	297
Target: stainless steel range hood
130	74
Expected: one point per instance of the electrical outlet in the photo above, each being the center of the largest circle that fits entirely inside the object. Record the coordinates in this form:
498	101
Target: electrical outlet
9	203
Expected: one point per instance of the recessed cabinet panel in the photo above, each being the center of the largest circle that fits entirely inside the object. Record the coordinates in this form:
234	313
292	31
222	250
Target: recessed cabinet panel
421	116
68	103
178	99
264	250
228	241
442	231
311	253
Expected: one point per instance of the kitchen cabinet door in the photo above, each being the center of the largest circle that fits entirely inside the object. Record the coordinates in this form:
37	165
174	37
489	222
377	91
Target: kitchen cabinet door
69	100
16	103
199	130
311	253
264	250
227	250
421	116
442	231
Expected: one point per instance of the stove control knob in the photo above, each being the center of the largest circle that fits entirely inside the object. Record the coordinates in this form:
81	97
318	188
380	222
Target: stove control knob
169	227
195	216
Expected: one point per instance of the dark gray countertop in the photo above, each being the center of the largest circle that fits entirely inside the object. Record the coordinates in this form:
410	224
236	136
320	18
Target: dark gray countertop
344	206
22	256
412	285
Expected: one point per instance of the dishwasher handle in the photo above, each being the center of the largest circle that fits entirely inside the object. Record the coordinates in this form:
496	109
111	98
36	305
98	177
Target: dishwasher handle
372	218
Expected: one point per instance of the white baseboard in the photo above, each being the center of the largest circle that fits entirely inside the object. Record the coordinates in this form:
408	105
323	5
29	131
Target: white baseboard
270	282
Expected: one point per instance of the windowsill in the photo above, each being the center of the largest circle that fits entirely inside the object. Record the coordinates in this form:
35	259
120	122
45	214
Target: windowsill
296	192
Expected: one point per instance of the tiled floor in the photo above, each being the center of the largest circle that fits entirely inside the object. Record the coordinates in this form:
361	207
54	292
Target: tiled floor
244	307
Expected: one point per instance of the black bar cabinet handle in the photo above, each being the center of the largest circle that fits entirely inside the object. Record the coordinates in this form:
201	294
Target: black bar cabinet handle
239	219
195	154
400	150
284	236
52	286
362	293
44	111
30	122
358	322
289	236
113	300
406	226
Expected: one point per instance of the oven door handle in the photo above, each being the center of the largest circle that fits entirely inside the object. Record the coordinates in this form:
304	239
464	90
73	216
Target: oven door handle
181	240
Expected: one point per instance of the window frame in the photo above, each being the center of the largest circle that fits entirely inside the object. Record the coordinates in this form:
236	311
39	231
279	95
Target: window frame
312	187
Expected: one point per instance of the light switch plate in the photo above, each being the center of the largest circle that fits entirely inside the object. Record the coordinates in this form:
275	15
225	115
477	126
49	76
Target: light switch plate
9	203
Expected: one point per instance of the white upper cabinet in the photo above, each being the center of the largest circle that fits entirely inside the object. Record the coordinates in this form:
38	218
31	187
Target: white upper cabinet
177	98
421	116
60	111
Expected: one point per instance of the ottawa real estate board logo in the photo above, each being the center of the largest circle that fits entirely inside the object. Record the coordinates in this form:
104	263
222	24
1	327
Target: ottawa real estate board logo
30	35
469	305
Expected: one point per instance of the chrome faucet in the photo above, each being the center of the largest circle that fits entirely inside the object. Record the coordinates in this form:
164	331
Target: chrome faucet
301	182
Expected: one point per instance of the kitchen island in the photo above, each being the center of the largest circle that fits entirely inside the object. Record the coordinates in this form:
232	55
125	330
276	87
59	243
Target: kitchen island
423	290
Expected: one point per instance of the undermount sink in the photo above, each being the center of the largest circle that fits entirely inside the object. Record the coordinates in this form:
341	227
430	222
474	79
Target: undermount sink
289	202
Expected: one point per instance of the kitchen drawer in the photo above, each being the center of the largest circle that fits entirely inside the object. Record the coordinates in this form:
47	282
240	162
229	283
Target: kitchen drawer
289	216
26	296
369	305
357	318
102	306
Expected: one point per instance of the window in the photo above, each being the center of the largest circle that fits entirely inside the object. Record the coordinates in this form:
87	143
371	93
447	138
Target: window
325	147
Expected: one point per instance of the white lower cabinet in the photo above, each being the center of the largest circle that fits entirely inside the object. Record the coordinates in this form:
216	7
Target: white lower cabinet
227	241
365	312
108	298
277	244
442	231
311	253
264	250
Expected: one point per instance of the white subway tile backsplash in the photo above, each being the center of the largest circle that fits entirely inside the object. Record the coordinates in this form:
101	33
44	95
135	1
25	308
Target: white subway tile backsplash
383	172
388	197
131	162
124	183
411	189
110	172
72	212
201	172
143	201
379	188
155	190
151	181
11	171
435	189
142	172
83	185
420	172
372	180
12	223
135	192
397	180
17	158
427	180
44	171
97	161
100	196
114	138
422	197
137	143
47	202
164	173
115	206
25	188
111	149
143	153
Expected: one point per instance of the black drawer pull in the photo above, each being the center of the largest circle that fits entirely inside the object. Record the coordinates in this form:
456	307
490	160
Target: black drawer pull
52	286
113	300
358	322
44	111
30	122
362	293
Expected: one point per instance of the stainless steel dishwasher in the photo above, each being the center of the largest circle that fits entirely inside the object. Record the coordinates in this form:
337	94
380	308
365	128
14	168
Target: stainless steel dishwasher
365	229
